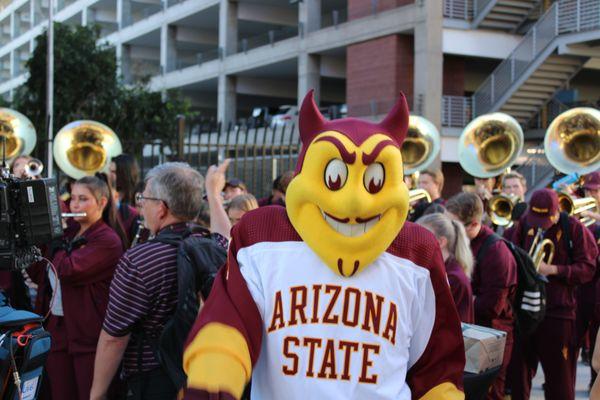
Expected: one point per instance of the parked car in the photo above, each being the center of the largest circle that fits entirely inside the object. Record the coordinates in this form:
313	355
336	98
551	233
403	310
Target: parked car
285	115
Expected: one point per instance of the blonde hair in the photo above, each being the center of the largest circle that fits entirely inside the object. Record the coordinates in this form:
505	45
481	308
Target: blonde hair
515	175
458	243
437	176
243	202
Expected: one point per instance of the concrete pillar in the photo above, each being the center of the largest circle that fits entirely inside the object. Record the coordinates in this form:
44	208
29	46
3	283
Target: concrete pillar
84	16
226	99
32	14
309	76
13	66
309	16
429	61
168	51
124	61
13	25
124	17
228	27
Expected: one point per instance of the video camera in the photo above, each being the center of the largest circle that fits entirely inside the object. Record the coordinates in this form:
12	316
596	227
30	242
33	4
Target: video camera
29	217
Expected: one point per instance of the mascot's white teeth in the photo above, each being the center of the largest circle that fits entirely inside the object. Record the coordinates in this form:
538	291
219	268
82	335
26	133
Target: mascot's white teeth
351	230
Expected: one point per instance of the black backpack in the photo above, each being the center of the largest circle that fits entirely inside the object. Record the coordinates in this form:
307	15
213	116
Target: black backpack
529	305
198	260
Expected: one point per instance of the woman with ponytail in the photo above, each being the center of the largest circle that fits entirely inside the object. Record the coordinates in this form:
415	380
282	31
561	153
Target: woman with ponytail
458	258
85	263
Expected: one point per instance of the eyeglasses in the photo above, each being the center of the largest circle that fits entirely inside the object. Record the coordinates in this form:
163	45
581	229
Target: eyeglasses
140	198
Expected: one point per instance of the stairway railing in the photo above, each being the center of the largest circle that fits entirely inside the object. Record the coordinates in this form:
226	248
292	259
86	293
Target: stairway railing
564	16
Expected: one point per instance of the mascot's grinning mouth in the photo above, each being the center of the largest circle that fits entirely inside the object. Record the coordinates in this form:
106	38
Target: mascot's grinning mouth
351	230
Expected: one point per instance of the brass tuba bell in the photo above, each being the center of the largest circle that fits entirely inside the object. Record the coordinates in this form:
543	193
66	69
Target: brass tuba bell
421	146
419	150
19	133
85	147
501	207
574	206
490	144
572	141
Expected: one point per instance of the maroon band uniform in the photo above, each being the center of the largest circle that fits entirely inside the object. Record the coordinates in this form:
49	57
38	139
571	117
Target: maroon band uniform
460	287
85	275
553	343
494	287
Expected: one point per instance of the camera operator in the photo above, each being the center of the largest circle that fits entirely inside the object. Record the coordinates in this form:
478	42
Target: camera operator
85	262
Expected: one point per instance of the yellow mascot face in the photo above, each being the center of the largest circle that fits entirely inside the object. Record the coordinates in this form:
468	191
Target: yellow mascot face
348	200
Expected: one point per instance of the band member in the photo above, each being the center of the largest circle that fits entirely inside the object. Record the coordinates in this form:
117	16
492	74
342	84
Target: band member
124	176
333	296
513	183
458	260
85	263
574	263
432	181
588	294
494	279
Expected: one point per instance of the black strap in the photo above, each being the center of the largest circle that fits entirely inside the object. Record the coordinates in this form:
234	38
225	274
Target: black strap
566	229
490	240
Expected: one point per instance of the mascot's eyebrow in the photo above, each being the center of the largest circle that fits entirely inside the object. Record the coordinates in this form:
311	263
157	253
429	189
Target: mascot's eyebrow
348	157
369	159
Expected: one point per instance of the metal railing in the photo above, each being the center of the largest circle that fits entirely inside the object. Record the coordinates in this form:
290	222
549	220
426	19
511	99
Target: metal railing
258	154
456	111
197	59
479	6
565	16
141	14
536	169
458	9
267	38
334	18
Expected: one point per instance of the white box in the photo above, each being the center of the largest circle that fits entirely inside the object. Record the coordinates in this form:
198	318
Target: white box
484	347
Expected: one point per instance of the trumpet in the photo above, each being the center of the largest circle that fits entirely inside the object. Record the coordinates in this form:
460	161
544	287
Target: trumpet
541	250
501	208
575	207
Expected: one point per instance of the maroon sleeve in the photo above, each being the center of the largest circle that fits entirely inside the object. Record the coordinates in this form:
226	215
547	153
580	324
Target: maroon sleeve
498	273
583	261
95	261
231	304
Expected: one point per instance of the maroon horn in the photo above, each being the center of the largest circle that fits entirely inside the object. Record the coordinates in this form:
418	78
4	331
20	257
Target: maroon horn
311	119
396	122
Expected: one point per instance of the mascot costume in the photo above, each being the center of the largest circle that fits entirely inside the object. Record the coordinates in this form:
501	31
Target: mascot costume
334	296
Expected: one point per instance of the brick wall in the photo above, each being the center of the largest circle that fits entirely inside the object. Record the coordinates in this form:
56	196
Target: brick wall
377	70
362	8
454	76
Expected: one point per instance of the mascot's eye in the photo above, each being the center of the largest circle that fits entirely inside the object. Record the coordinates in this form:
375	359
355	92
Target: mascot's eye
374	178
336	174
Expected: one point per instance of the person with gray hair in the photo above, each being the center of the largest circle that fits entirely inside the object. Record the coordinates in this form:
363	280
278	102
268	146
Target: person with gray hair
143	293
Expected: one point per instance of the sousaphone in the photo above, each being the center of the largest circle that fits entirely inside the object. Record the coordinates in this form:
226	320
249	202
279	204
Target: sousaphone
85	147
19	133
490	144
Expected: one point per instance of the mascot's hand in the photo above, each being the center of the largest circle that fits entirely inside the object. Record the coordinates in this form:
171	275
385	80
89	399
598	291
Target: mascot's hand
215	349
